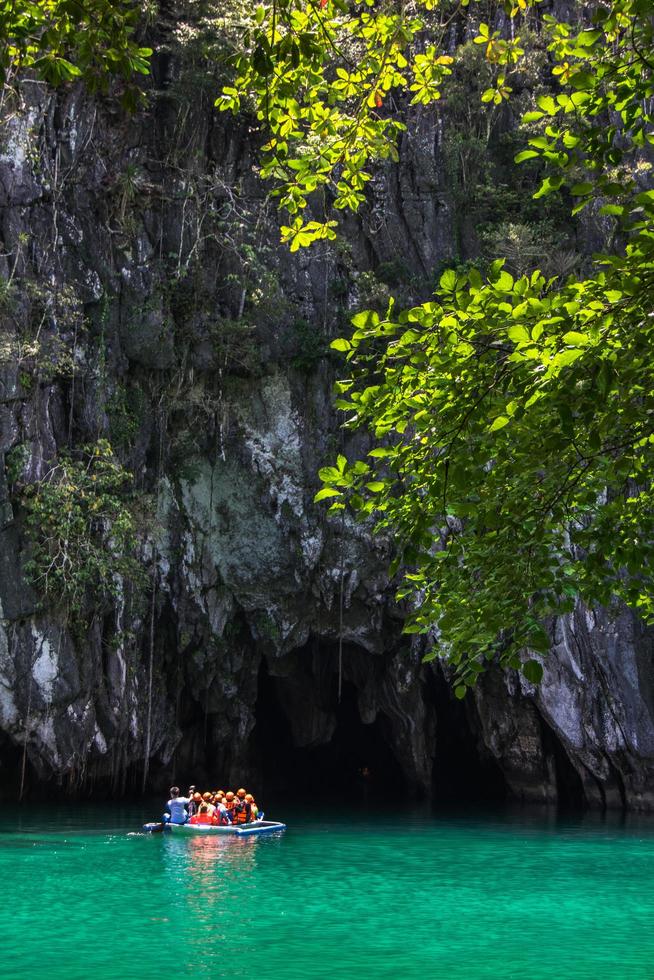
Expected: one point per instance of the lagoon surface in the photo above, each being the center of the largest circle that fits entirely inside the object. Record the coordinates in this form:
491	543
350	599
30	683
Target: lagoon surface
516	894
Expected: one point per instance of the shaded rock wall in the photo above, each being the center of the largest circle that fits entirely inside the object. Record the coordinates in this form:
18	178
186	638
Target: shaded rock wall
198	347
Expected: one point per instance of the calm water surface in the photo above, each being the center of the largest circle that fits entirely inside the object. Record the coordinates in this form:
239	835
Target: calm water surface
517	895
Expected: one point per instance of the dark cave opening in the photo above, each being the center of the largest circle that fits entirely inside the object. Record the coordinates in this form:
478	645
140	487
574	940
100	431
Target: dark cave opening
11	767
463	771
569	786
356	764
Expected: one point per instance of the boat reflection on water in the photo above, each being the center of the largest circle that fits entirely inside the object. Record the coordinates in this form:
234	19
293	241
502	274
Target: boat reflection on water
220	884
212	873
232	855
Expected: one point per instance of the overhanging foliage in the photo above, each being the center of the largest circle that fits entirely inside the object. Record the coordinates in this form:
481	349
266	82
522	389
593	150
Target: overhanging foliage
513	420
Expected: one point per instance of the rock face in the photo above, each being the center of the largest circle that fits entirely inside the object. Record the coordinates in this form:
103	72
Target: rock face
586	733
267	647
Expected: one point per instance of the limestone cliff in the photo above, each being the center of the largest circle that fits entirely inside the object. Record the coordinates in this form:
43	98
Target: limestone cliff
147	302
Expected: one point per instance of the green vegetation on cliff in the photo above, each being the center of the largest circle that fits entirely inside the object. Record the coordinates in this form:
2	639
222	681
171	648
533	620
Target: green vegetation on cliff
82	529
512	415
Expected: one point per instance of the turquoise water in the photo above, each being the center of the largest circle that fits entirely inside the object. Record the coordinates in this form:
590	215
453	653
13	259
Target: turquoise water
504	896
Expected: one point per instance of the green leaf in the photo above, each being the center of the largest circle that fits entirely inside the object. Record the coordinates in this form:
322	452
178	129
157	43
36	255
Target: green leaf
582	80
533	671
525	155
547	104
325	493
460	691
588	38
341	344
576	339
499	423
548	185
448	281
327	473
518	334
365	319
262	62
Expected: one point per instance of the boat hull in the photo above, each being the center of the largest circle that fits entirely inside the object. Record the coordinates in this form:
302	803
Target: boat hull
243	830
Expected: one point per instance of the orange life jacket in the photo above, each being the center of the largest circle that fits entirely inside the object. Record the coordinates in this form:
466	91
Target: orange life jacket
201	818
241	812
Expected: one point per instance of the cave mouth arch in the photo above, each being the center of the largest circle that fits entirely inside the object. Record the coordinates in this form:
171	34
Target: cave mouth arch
356	763
463	773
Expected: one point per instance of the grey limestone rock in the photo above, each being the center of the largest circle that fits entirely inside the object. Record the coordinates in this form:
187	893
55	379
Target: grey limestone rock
255	595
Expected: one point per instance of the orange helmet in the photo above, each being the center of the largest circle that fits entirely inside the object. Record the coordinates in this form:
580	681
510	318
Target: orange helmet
197	797
229	796
240	792
206	796
249	798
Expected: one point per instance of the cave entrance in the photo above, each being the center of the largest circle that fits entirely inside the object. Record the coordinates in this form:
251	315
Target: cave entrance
357	763
11	762
463	772
569	786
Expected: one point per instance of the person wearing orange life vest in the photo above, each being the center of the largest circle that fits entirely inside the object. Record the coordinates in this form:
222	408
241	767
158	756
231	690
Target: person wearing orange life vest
206	799
194	805
229	804
242	810
202	816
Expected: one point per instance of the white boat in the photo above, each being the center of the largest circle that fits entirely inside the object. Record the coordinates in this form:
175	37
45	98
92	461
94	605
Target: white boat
233	830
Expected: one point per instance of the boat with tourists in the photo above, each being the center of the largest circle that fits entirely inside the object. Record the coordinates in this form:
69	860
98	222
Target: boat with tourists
217	813
247	830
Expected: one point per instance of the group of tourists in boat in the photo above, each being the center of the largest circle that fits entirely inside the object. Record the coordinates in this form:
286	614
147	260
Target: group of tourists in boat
214	809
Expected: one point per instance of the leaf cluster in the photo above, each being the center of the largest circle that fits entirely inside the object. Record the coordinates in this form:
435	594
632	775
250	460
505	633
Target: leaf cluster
513	419
329	81
515	442
65	40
